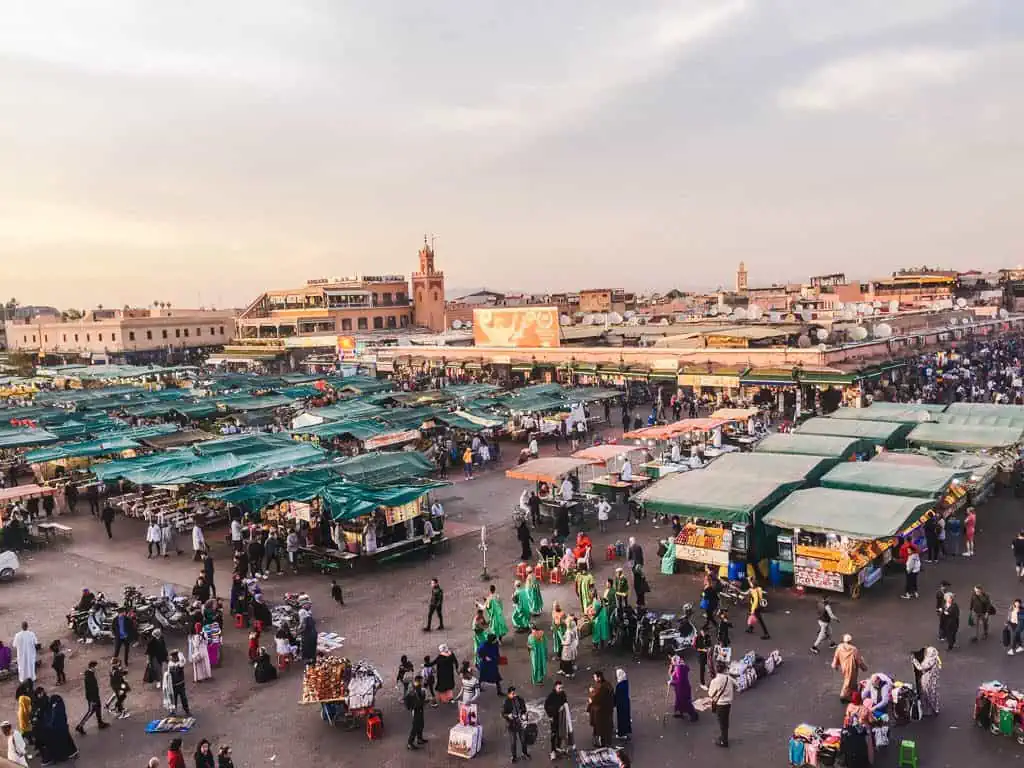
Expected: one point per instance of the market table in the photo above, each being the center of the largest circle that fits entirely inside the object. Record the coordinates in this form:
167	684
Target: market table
52	531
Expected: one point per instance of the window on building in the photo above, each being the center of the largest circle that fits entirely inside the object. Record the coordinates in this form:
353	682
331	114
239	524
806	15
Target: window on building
199	331
211	331
33	338
222	330
46	338
436	295
113	337
401	298
362	323
378	323
65	337
186	333
131	335
386	297
149	335
392	322
346	324
177	333
405	321
165	333
99	336
76	337
88	337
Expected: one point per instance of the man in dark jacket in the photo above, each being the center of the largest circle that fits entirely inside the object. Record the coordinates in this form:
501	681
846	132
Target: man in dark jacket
124	633
156	656
272	552
71	495
514	712
553	709
981	608
436	605
208	572
256	551
92	699
415	700
534	504
93	494
108	518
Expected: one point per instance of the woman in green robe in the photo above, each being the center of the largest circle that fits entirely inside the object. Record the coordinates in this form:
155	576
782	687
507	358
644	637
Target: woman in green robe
521	609
496	614
536	600
481	628
602	631
584	587
668	560
557	628
538	645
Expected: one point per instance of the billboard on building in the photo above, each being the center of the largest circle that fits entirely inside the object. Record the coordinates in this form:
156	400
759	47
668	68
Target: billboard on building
516	327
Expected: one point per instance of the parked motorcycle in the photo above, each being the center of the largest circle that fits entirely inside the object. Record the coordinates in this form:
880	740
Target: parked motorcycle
94	623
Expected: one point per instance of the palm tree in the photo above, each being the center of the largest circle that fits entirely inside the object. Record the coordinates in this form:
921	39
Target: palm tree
156	304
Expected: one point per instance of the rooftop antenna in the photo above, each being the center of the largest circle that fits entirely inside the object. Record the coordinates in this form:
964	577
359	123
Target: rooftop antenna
432	239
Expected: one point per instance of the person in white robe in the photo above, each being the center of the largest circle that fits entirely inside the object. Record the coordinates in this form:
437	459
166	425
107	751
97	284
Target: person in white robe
17	752
199	655
25	643
198	541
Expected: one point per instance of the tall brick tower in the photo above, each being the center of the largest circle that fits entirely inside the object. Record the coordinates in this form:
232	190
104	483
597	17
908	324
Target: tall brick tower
428	291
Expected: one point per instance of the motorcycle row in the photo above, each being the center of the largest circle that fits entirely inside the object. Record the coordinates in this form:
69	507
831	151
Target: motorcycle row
167	612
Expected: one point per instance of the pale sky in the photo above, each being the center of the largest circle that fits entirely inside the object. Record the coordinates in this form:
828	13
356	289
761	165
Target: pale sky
203	151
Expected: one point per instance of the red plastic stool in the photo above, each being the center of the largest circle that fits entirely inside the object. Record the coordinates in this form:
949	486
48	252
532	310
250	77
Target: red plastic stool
539	572
522	570
555	577
609	552
239	621
283	660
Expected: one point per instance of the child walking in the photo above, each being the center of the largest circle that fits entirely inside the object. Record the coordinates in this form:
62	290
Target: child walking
336	595
58	661
427	673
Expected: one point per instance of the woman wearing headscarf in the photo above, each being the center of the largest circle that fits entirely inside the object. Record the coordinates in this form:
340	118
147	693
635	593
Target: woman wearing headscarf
59	744
521	609
679	679
199	655
533	591
623	718
538	646
204	755
584	588
40	720
488	657
601	629
929	668
481	628
557	629
17	749
445	667
570	647
496	614
470	685
25	713
848	660
568	562
307	636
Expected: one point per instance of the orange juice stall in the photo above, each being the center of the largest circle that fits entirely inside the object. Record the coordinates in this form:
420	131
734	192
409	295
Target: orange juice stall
838	540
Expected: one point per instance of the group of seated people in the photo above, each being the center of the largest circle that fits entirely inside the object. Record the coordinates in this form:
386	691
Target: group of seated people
567	558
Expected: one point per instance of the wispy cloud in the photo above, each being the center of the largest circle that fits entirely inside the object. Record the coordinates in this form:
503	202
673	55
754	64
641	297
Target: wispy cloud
864	81
632	52
813	21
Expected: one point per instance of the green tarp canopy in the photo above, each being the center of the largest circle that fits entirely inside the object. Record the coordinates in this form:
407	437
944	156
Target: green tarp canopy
137	433
241	444
72	429
1015	411
360	429
408	418
859	515
471	391
722	496
20	438
362	385
81	450
813	445
185	467
455	421
246	403
83	395
983	415
381	468
963	437
897	412
785	467
887	433
346	501
591	394
347	410
300	391
298	486
890	478
150	410
196	410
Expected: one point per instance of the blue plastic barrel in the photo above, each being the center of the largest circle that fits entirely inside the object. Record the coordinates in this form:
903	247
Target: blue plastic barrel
736	570
775	573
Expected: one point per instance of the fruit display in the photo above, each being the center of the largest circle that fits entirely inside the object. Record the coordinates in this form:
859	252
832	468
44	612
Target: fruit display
327	680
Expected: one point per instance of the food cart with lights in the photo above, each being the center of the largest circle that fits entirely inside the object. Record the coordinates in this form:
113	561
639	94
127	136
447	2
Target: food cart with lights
547	474
693	436
742	427
842	540
720	513
611	458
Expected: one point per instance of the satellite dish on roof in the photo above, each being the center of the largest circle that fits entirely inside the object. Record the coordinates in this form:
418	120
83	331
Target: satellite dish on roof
804	341
630	314
615	318
806	315
883	331
739	313
1003	314
564	320
754	312
456	324
600	319
821	334
713	310
774	317
961	302
894	306
858	333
